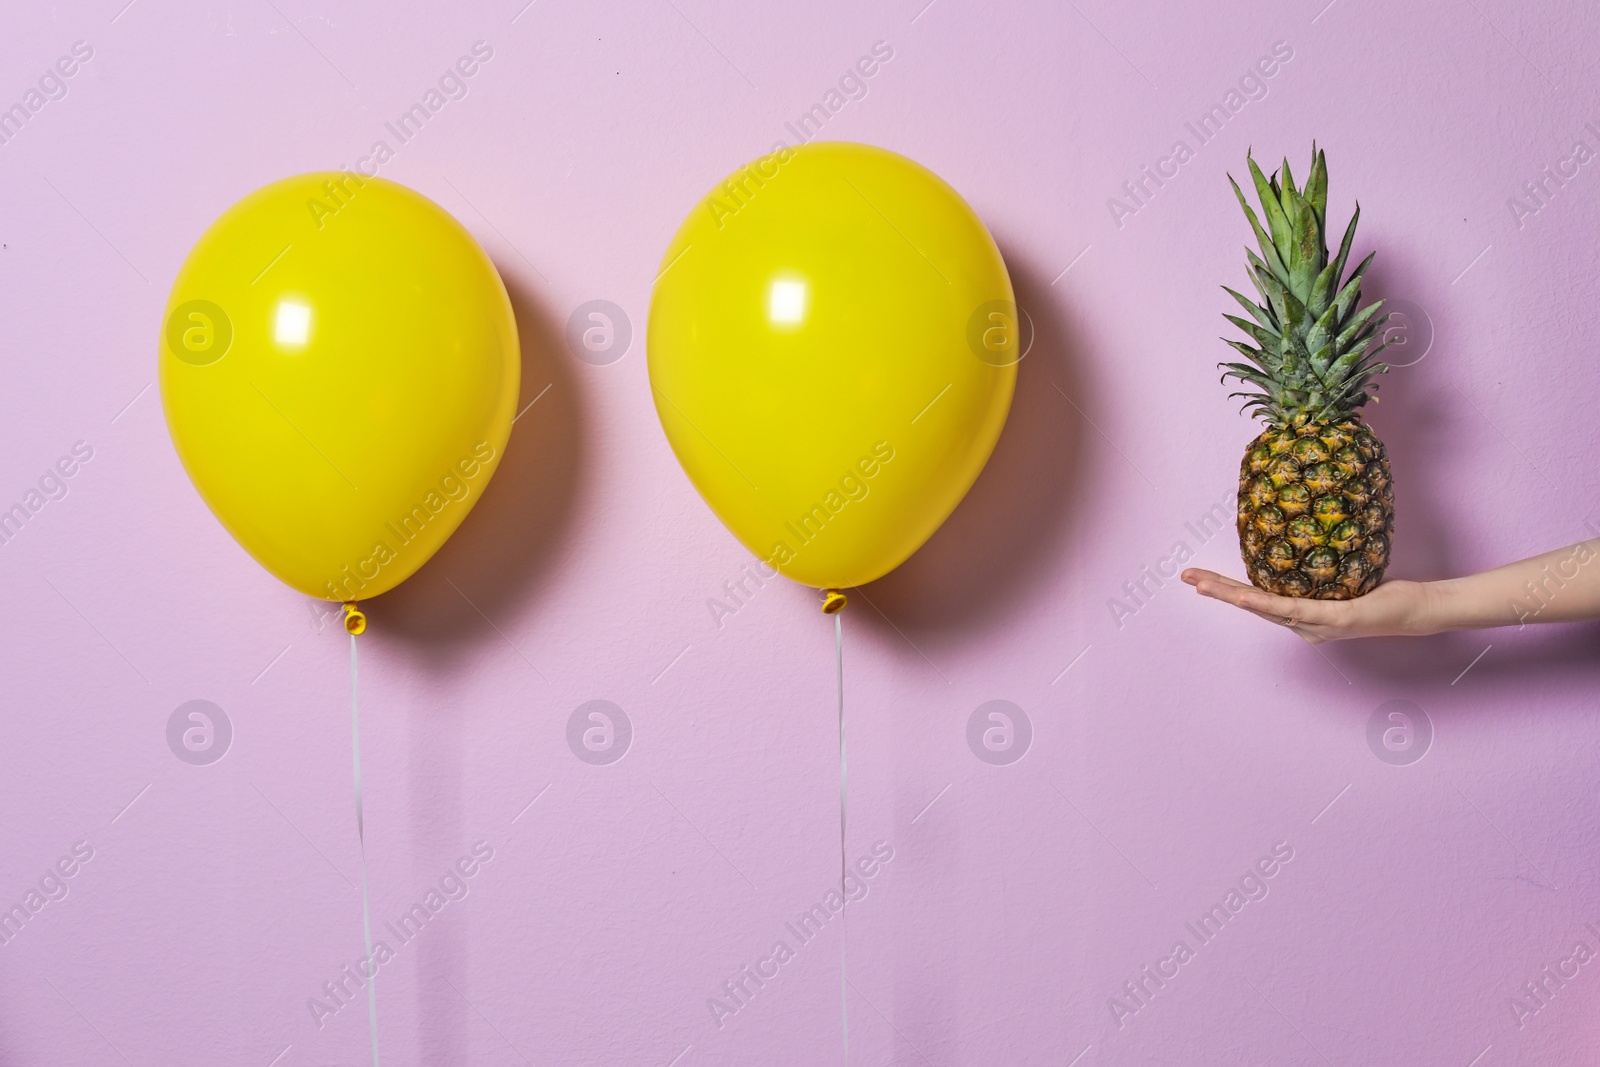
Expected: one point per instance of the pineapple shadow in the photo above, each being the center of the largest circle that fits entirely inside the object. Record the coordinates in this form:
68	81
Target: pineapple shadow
492	568
1418	417
1414	415
988	554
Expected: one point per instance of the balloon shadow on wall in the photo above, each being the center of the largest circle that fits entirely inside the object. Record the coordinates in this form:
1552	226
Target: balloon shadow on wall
495	564
489	573
990	551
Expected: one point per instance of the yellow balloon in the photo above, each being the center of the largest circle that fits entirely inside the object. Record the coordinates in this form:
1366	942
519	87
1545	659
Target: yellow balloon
833	348
339	368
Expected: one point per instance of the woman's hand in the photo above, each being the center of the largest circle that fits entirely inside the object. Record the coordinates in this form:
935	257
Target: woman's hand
1393	609
1558	586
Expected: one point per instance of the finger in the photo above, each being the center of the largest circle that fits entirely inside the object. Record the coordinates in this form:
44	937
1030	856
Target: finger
1270	605
1248	597
1195	575
1209	582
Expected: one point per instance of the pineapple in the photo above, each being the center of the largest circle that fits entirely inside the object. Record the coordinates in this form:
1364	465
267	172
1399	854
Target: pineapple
1316	503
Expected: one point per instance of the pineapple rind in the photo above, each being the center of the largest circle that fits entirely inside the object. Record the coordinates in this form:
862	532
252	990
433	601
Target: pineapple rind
1311	526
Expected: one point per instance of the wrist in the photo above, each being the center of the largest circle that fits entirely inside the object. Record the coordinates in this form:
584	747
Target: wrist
1435	609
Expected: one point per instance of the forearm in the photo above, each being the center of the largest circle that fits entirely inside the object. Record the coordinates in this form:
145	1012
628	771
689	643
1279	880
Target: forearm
1559	586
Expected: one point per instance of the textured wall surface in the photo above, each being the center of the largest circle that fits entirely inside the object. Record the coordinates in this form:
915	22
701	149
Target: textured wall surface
1167	744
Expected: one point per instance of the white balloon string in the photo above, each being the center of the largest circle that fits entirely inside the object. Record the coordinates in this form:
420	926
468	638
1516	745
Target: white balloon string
844	793
361	837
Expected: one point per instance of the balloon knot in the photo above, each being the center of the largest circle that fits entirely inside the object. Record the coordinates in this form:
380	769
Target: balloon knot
354	621
833	601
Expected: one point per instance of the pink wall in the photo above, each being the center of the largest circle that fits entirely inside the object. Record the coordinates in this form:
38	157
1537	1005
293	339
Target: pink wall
1170	749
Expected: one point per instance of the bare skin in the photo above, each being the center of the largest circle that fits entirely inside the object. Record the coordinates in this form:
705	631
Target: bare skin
1558	586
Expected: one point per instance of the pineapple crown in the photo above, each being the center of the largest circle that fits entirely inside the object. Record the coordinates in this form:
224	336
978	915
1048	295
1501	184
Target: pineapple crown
1314	356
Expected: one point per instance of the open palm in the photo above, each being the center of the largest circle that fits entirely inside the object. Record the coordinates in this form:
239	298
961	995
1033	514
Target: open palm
1393	608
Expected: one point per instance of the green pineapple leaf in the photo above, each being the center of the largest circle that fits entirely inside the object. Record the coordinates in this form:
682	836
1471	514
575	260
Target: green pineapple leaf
1266	299
1294	314
1273	290
1306	265
1257	402
1253	375
1268	252
1277	221
1365	367
1323	328
1321	360
1362	320
1344	248
1359	357
1257	312
1316	192
1351	293
1353	393
1322	289
1263	336
1289	196
1316	348
1367	363
1262	360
